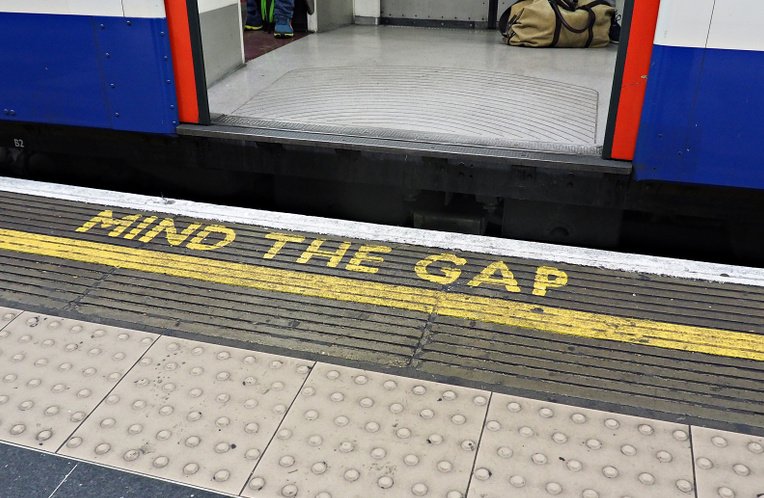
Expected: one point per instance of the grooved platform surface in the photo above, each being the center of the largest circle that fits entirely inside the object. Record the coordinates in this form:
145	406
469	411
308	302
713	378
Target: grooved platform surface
438	86
645	344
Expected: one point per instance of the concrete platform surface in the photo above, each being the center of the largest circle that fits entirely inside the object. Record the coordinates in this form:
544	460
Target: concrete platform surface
136	319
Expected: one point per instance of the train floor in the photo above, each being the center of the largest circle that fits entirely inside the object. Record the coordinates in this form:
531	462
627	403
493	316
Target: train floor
420	85
174	348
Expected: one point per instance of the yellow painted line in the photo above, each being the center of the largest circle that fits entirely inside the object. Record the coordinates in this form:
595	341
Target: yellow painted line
455	305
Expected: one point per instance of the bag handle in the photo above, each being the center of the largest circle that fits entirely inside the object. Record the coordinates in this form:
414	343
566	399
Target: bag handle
572	6
556	4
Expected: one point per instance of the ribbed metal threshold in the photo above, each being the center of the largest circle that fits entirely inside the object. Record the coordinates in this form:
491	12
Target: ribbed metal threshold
429	105
230	128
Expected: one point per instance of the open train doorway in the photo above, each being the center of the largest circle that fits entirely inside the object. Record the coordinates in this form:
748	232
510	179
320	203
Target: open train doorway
435	73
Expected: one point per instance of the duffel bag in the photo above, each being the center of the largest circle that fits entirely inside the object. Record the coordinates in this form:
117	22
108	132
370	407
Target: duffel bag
559	23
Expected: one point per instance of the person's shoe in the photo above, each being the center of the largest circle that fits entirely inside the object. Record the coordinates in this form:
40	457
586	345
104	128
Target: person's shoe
283	29
254	22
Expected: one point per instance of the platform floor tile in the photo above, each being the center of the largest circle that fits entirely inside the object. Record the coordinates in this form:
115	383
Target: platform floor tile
54	372
353	433
727	464
192	412
531	449
7	315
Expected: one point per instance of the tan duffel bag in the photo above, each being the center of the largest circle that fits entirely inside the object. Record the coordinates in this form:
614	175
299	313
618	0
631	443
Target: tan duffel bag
559	23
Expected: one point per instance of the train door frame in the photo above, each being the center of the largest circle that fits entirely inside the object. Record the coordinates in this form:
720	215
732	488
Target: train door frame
630	79
624	114
188	58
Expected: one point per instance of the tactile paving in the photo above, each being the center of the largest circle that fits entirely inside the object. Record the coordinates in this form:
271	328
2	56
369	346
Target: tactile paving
727	464
192	412
7	315
353	433
54	372
534	449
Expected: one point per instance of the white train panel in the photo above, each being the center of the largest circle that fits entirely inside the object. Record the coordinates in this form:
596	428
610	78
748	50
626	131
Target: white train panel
143	8
737	24
684	23
103	8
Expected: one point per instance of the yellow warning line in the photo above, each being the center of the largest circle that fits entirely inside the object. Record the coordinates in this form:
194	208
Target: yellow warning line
491	310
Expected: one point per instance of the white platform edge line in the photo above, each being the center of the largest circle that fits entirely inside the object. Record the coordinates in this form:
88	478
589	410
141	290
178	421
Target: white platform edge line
595	258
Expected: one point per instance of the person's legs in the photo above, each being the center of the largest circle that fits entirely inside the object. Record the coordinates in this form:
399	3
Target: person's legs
284	9
254	20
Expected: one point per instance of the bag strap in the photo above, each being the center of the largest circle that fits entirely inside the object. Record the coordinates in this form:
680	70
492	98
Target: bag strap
504	21
572	6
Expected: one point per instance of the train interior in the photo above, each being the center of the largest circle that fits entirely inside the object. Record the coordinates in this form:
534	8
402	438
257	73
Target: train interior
411	72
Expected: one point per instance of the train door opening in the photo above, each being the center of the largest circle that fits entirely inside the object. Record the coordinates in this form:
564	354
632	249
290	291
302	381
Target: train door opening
434	73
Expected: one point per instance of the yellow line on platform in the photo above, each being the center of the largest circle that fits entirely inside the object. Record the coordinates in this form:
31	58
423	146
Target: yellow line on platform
500	311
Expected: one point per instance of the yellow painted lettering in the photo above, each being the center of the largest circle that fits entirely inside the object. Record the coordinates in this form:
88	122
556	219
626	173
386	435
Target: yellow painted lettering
363	255
141	227
335	257
167	226
198	243
507	279
281	239
106	219
548	277
449	274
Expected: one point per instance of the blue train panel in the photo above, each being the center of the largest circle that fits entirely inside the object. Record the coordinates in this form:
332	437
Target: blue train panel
94	71
703	118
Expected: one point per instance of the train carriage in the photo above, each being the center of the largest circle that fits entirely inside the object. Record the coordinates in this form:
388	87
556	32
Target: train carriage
391	110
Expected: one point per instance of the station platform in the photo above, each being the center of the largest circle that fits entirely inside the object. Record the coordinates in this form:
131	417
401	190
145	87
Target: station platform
228	351
441	89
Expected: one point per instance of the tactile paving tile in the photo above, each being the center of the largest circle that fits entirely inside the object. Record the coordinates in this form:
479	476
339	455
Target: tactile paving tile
54	372
6	316
353	433
727	464
534	449
192	412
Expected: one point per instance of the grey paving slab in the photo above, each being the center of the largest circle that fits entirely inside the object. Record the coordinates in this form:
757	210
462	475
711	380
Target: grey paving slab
25	473
355	433
531	449
94	481
54	372
192	412
728	464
